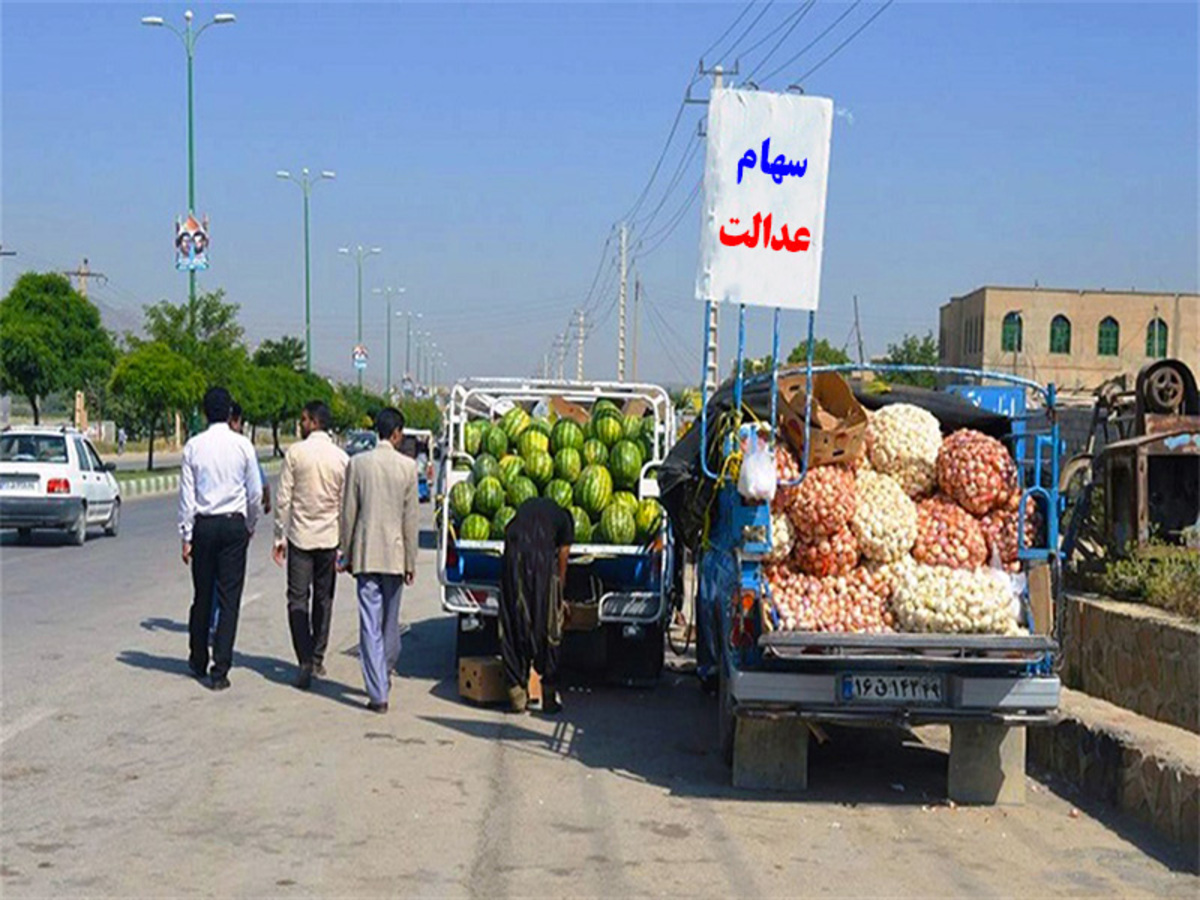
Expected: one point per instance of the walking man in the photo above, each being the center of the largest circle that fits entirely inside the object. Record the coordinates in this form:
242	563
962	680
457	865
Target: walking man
220	494
379	547
306	535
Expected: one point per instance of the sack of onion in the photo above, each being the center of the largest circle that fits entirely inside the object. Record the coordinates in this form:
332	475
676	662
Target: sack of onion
833	555
938	600
947	535
885	518
977	472
783	539
824	503
1000	532
903	441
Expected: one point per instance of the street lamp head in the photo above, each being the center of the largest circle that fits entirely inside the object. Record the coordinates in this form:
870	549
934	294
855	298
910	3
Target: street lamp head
152	20
376	250
224	19
345	250
283	173
325	173
188	15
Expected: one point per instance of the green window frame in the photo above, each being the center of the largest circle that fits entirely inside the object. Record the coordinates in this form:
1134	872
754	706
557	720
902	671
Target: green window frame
1010	333
1060	334
1108	337
1156	333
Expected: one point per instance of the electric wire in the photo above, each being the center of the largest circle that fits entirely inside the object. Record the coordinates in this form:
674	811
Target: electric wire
836	50
733	47
800	14
726	32
660	238
791	60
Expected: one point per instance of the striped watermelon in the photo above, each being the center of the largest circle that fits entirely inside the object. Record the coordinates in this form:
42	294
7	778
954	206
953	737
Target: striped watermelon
560	492
594	453
515	421
648	519
485	466
631	427
568	463
625	499
593	490
475	528
510	467
489	497
589	430
542	424
608	429
532	440
617	525
566	434
625	463
604	406
500	522
583	525
648	426
495	441
520	490
539	466
473	436
462	498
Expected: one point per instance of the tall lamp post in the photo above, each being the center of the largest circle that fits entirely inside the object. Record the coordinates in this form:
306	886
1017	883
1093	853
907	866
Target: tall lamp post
388	291
359	253
408	372
306	183
189	36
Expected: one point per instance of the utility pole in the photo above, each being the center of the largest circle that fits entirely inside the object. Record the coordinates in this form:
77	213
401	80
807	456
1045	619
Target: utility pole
621	291
857	332
83	273
712	365
637	300
560	351
579	347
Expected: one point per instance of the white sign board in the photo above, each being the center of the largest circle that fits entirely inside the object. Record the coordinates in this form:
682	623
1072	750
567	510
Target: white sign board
765	175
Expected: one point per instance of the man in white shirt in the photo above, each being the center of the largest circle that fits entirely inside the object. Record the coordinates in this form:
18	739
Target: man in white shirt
220	496
306	535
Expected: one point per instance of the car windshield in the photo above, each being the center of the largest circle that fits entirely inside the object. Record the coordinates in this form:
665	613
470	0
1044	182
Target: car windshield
359	441
45	448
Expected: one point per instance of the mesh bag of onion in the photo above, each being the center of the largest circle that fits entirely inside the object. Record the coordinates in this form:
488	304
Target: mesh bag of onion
833	555
903	441
1000	532
787	469
947	535
937	600
977	472
853	603
823	504
885	518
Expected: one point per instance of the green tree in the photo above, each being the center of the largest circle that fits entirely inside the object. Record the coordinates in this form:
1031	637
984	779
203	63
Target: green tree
914	350
52	340
215	347
824	354
422	413
156	380
288	351
283	396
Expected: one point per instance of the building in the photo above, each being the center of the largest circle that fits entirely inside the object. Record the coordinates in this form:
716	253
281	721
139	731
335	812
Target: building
1076	339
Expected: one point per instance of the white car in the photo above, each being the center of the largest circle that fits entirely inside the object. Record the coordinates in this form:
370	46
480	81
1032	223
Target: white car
53	478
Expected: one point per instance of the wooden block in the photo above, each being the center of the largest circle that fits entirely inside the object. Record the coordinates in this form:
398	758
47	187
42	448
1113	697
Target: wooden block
1041	599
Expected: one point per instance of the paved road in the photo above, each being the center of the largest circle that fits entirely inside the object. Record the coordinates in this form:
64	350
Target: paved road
122	776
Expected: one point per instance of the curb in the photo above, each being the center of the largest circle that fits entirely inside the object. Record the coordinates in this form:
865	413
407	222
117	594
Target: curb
157	485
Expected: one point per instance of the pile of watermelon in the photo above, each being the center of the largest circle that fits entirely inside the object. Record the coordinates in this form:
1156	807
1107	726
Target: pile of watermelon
591	470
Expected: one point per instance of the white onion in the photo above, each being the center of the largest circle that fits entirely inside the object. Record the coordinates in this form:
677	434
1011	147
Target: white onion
903	441
885	518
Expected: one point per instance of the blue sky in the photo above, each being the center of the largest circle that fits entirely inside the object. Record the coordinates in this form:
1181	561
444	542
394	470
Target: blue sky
489	148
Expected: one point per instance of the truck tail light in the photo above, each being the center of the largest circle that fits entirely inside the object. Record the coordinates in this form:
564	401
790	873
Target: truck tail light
58	486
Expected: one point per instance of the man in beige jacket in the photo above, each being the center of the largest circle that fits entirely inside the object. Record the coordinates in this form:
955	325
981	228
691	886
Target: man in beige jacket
306	535
379	547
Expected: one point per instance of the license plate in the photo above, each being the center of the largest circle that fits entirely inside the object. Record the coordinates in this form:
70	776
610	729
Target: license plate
894	690
19	485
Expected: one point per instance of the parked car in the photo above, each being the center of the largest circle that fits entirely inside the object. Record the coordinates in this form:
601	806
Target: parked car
53	478
359	441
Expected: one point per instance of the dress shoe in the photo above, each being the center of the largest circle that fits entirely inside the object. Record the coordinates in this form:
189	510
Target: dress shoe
219	683
377	707
550	702
319	670
197	671
304	678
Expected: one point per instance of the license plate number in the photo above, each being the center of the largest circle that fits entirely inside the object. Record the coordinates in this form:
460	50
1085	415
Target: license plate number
898	690
20	485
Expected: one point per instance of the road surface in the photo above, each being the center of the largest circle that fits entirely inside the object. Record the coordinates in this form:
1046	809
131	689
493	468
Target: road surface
123	776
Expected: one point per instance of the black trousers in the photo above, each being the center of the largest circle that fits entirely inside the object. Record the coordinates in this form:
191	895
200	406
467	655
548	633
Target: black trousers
311	575
218	558
530	618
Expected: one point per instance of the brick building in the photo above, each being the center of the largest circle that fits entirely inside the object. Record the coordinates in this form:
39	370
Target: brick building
1074	338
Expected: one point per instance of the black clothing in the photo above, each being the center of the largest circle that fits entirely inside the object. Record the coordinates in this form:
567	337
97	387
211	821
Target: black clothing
310	572
530	593
218	557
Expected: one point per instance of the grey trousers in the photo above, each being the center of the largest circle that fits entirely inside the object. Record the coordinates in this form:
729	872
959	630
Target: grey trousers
378	630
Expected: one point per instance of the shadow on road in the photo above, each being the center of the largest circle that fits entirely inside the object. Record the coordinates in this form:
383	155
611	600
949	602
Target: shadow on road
157	623
45	537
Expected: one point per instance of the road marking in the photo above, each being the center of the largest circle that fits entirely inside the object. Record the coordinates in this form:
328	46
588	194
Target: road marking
27	721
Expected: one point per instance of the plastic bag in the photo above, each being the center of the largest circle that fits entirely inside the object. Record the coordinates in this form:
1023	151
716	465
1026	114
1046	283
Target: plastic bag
757	479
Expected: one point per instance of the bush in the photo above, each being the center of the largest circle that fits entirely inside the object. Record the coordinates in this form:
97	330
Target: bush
1170	581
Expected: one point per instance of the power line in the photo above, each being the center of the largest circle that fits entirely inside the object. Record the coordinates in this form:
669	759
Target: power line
675	179
799	14
660	237
749	28
732	25
879	12
812	43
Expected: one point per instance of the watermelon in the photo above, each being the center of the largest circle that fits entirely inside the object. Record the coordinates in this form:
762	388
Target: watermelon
593	490
589	431
539	466
566	434
462	497
608	429
625	463
475	528
500	522
604	406
515	421
541	424
583	525
631	427
520	490
560	492
510	467
568	463
485	466
473	436
495	441
625	499
648	519
594	453
648	427
532	440
647	445
489	497
617	525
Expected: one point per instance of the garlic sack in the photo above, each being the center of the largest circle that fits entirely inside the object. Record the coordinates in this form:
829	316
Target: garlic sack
903	441
885	518
782	538
937	600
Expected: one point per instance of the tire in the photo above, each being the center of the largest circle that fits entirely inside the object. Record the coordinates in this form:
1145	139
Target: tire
24	535
78	531
113	525
726	717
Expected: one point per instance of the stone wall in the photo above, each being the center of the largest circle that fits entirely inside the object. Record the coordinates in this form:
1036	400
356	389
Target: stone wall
1138	657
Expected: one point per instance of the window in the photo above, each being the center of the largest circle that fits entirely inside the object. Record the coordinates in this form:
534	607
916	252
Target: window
1060	335
1010	333
97	463
33	448
1108	337
1156	338
85	462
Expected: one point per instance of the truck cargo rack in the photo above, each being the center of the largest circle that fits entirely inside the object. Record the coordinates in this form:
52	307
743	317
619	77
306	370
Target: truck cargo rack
911	649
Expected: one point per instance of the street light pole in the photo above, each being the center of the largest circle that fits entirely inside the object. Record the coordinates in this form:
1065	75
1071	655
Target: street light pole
189	37
359	253
306	183
388	291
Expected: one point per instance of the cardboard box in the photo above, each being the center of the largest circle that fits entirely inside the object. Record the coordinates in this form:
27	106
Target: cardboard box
636	407
838	422
481	678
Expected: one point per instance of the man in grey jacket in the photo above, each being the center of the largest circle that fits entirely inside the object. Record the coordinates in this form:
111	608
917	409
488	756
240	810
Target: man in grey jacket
378	545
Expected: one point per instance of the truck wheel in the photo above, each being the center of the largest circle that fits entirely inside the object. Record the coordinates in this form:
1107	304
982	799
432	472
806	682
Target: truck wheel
726	718
113	525
78	531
